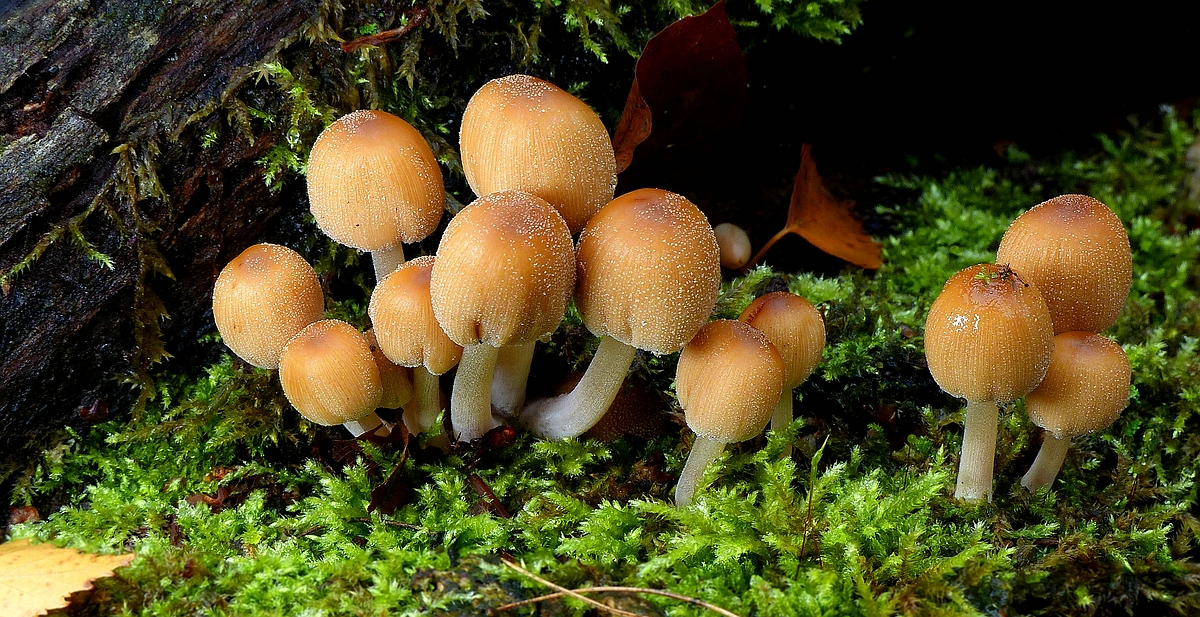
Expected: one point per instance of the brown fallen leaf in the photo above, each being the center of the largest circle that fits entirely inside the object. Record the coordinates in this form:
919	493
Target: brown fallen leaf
827	223
35	578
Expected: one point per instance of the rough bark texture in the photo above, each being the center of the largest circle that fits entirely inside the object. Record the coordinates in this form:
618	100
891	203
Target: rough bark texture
78	80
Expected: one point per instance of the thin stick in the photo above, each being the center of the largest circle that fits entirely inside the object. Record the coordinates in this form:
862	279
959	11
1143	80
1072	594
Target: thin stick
564	590
416	17
611	589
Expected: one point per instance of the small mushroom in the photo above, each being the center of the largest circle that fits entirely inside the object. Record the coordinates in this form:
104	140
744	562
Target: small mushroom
521	133
648	278
988	339
797	330
734	245
395	380
728	380
1076	251
261	300
330	377
1084	391
373	184
503	276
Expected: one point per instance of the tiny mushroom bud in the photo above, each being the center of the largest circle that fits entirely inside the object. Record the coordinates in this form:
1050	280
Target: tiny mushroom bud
373	183
521	133
988	338
734	245
728	379
503	276
261	300
1084	391
409	335
797	330
396	380
1076	251
330	377
648	278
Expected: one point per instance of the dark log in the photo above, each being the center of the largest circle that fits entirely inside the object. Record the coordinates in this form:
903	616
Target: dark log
92	95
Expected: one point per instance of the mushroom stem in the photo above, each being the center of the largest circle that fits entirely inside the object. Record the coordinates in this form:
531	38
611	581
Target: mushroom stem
367	423
704	451
782	417
387	260
573	413
1049	460
422	412
980	426
471	398
511	378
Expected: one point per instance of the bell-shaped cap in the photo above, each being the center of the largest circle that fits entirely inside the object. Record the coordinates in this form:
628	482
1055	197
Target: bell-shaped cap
648	271
504	271
329	375
396	380
1085	389
728	379
794	326
1076	251
521	133
988	336
373	182
402	314
261	300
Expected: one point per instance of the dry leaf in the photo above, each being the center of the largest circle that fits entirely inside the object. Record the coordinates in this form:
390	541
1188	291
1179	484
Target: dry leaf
827	223
35	578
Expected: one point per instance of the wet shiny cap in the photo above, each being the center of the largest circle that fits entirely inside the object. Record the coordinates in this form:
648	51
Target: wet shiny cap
402	314
794	326
1085	389
728	379
329	375
395	380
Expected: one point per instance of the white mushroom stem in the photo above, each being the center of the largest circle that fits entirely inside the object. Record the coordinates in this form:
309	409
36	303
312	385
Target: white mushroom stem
369	422
471	398
781	418
573	413
704	451
511	378
1048	462
426	404
387	260
978	451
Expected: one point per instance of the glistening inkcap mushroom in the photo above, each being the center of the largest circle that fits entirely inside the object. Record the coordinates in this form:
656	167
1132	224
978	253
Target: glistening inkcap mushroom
395	380
648	278
374	184
261	300
503	276
329	375
728	379
734	245
1084	391
988	339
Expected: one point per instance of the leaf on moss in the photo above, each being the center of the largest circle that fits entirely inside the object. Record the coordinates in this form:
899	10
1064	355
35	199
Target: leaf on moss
827	223
35	578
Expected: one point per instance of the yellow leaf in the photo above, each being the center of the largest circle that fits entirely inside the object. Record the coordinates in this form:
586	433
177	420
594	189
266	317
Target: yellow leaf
35	578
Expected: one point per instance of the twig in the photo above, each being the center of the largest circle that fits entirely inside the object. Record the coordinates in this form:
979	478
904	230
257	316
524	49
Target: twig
610	589
485	492
416	17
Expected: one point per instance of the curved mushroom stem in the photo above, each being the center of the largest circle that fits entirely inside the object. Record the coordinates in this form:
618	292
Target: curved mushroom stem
573	413
366	424
423	410
471	398
978	451
1048	462
782	417
387	260
704	451
511	378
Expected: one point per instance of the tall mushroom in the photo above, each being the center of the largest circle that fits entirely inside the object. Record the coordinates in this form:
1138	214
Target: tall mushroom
797	330
1084	391
373	184
330	376
503	276
728	379
988	339
648	278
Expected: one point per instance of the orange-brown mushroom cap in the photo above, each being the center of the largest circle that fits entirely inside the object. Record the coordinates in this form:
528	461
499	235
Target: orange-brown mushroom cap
522	133
1077	253
1085	389
988	336
648	271
504	271
402	314
728	379
261	300
794	326
329	374
396	380
373	182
